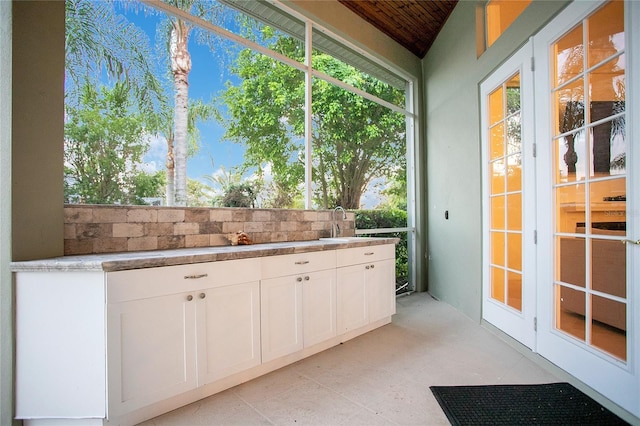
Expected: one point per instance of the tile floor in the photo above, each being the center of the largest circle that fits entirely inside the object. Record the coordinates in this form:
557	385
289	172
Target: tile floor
382	377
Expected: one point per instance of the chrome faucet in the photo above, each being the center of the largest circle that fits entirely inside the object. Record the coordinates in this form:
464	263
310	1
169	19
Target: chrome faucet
335	228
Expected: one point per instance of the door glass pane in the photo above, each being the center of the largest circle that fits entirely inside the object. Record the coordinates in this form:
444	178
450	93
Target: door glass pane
608	207
570	202
570	157
572	261
571	318
497	248
591	281
514	290
570	106
514	213
497	212
569	56
609	325
514	245
497	284
497	141
608	267
497	177
514	173
606	32
496	106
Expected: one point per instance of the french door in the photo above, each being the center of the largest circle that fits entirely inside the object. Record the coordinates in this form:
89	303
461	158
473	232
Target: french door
587	194
562	230
508	193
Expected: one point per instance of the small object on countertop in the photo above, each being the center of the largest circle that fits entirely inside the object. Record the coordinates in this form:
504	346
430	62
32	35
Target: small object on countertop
240	238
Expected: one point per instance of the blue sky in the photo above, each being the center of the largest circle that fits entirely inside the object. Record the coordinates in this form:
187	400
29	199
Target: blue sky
206	79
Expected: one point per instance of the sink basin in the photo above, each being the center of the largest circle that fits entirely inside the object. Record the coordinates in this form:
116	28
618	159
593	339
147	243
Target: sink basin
348	239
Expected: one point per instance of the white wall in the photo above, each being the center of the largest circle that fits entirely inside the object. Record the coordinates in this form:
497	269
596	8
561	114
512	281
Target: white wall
452	73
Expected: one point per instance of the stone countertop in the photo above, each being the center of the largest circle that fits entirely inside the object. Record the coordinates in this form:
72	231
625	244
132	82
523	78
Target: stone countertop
109	262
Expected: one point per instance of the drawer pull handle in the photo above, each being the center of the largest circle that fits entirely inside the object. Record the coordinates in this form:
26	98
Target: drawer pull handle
369	253
302	262
195	277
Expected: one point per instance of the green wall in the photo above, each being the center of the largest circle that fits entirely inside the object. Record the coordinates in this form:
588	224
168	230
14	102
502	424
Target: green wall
452	73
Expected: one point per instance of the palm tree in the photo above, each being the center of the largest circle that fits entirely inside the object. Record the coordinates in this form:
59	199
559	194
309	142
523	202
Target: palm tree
196	111
180	69
97	39
184	114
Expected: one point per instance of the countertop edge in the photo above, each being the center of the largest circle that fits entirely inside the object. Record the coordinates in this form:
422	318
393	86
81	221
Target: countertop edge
111	262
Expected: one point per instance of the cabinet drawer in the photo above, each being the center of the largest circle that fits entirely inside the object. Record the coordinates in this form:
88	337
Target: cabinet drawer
151	282
357	255
291	264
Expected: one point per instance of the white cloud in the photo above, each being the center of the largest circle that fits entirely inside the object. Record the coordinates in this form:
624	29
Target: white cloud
156	156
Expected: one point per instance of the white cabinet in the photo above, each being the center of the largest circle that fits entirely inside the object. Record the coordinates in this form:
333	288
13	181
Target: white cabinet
122	347
151	347
163	345
228	336
298	302
366	286
319	306
281	317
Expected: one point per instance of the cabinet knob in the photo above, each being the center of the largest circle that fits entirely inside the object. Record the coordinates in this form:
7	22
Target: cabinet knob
306	278
189	298
367	267
299	279
373	266
203	295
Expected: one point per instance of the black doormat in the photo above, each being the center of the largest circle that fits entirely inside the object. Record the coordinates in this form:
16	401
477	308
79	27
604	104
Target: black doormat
544	404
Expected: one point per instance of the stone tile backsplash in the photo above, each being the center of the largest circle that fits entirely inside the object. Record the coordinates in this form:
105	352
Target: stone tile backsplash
91	229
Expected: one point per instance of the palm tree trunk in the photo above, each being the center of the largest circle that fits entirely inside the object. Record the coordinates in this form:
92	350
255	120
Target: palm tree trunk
180	66
171	170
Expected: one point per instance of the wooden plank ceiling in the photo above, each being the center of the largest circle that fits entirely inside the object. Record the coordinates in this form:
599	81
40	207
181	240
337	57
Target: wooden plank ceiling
412	23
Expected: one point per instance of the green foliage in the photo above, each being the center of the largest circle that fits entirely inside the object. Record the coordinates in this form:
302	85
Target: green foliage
354	139
98	40
239	195
372	219
198	193
103	145
149	185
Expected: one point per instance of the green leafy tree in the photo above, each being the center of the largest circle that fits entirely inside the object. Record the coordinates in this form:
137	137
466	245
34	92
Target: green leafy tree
104	143
198	193
149	185
354	139
239	195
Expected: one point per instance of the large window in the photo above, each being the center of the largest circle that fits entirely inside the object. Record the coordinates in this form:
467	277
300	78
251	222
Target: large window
228	103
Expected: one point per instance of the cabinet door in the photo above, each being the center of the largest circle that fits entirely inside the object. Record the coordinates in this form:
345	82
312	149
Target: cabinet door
281	316
380	278
352	304
228	330
151	350
319	306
